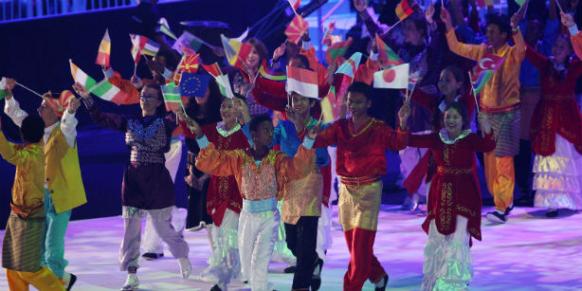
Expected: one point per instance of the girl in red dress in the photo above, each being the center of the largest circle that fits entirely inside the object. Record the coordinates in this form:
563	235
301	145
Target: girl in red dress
454	209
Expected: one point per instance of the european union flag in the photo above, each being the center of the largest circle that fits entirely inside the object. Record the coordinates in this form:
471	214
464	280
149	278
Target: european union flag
194	84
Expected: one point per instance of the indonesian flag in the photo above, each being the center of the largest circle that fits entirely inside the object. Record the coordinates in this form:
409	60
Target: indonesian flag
296	29
104	52
404	9
109	92
303	82
138	42
81	77
392	78
236	51
172	98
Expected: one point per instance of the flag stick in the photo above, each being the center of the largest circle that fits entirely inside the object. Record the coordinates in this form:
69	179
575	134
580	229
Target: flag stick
442	4
30	90
559	6
409	96
394	25
473	90
293	8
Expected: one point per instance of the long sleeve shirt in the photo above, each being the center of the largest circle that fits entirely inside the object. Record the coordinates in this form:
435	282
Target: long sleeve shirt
257	180
576	38
501	93
27	191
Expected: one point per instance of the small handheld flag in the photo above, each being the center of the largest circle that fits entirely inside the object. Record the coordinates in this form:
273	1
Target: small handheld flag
172	98
81	77
194	85
392	78
303	82
104	53
296	29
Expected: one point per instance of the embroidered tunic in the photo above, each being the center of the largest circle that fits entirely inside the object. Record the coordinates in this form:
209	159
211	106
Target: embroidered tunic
454	189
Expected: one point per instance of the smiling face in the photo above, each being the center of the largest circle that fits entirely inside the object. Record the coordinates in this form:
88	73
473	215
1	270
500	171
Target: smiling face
448	85
263	135
300	104
228	111
150	100
253	59
495	36
358	104
453	121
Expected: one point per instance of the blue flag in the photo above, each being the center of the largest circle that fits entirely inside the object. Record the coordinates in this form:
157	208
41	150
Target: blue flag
194	84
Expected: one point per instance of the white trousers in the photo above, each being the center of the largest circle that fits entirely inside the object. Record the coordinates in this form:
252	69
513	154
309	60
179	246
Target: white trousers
257	233
324	238
224	264
152	243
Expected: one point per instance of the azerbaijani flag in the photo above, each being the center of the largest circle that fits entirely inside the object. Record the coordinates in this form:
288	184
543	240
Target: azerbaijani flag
150	48
484	70
172	98
350	66
404	9
109	92
387	56
235	50
137	44
81	77
392	78
104	52
266	73
303	82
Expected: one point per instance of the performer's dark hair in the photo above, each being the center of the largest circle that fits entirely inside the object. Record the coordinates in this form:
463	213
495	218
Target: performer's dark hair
460	108
257	120
32	129
361	87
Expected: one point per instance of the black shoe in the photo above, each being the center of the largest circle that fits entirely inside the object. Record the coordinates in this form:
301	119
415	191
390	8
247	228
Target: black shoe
72	282
508	210
552	213
215	288
383	287
290	270
316	278
152	256
496	217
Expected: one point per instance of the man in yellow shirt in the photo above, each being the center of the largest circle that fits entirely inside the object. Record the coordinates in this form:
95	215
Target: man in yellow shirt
64	188
500	100
22	246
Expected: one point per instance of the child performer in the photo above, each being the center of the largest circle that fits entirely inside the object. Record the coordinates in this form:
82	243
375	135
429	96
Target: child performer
454	210
361	162
259	172
224	201
63	174
556	131
25	231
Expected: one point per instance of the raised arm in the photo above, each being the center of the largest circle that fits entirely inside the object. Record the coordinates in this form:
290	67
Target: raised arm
109	120
536	58
69	122
575	34
131	89
299	166
217	162
473	52
11	105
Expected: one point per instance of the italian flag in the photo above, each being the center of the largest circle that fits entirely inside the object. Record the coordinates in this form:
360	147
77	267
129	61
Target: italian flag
392	78
303	82
172	98
109	92
81	77
104	52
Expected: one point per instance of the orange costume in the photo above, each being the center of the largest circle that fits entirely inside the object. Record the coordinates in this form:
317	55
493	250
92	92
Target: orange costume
500	100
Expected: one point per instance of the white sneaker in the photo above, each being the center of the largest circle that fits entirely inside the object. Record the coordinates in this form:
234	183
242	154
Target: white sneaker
185	267
208	276
131	283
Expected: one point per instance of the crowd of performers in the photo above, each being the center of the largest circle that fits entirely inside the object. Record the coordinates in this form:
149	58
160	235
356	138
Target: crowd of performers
261	164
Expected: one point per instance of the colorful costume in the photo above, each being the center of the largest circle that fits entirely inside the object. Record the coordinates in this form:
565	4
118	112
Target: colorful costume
361	162
22	250
500	100
454	209
224	205
302	204
147	187
258	182
63	182
556	135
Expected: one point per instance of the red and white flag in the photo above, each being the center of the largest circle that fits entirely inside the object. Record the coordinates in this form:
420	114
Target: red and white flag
392	78
104	52
303	82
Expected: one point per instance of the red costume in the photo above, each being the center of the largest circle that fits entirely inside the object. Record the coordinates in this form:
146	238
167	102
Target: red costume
557	111
455	188
361	162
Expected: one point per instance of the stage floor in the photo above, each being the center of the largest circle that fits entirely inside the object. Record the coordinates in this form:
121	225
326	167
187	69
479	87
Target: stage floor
530	252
